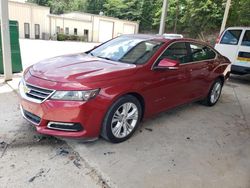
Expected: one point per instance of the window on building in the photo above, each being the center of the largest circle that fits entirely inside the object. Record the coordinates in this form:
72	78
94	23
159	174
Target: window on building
75	31
66	31
86	35
26	30
57	30
37	31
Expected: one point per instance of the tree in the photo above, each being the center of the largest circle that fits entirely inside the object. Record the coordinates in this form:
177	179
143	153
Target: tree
115	8
40	2
148	12
200	16
239	13
191	17
94	6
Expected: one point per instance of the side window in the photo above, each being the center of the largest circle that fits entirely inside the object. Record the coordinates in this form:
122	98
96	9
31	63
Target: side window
246	39
231	37
177	51
57	30
200	52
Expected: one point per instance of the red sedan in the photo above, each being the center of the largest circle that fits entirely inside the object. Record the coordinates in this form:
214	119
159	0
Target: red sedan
107	91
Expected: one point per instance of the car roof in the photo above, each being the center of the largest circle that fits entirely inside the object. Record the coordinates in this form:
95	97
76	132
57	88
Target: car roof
163	39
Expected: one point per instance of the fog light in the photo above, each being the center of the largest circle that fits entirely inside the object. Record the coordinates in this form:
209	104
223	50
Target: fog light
65	126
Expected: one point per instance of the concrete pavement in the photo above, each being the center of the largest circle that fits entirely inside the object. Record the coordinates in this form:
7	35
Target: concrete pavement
191	146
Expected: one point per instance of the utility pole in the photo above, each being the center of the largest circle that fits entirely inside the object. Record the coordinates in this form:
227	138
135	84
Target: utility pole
5	33
223	25
163	17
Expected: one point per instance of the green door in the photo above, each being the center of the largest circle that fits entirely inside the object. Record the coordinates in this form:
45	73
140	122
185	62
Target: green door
15	49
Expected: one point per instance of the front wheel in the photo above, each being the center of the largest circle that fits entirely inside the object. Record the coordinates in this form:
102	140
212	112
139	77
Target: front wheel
214	93
122	119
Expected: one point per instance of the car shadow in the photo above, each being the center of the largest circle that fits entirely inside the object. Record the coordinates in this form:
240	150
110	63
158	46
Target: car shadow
240	79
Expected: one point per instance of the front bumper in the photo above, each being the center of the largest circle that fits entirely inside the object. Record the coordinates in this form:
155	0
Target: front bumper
85	117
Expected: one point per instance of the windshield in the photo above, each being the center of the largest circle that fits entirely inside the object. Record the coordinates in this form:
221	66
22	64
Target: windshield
127	50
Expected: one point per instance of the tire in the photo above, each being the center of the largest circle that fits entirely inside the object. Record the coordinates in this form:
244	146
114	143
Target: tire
122	119
214	93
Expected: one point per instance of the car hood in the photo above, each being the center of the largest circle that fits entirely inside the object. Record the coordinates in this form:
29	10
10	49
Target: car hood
80	68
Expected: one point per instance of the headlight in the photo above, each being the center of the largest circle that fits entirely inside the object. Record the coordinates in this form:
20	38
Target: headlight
75	95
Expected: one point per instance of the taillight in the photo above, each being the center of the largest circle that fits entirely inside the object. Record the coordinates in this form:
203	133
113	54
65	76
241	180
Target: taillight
218	39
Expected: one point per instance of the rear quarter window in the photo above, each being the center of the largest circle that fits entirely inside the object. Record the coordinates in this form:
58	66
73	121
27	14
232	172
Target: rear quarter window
231	37
200	52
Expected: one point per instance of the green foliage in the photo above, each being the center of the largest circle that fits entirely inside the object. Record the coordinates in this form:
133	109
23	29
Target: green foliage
201	16
40	2
191	17
63	37
239	13
94	6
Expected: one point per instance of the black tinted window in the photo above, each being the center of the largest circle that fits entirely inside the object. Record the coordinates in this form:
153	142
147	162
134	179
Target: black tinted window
246	39
231	37
177	51
200	52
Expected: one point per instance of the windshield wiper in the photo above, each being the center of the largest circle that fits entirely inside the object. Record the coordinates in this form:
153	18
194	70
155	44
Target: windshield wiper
104	58
91	53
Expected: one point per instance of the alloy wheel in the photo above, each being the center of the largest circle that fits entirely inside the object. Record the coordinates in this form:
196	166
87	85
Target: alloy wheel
124	120
215	93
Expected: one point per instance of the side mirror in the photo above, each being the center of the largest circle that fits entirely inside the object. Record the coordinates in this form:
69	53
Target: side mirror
168	64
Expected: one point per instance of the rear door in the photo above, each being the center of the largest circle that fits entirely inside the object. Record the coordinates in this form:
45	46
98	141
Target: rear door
198	69
243	53
229	44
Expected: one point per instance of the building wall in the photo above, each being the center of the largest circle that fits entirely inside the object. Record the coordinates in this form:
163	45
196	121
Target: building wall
100	28
29	13
118	26
63	23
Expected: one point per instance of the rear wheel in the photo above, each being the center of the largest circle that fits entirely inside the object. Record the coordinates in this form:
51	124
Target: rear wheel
214	93
122	119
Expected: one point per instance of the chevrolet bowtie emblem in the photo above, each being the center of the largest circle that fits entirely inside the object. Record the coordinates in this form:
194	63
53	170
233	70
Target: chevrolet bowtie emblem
26	89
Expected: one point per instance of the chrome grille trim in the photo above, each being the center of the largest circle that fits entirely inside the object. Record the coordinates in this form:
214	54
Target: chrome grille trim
35	94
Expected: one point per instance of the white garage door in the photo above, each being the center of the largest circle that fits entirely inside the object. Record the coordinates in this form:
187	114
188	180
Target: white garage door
128	29
105	30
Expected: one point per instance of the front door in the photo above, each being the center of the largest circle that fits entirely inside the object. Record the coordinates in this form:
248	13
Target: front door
168	88
37	31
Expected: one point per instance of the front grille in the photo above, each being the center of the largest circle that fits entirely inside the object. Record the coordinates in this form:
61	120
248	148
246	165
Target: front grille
31	117
38	93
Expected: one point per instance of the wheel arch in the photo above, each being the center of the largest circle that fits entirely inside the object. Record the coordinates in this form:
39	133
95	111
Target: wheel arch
140	98
135	94
222	78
